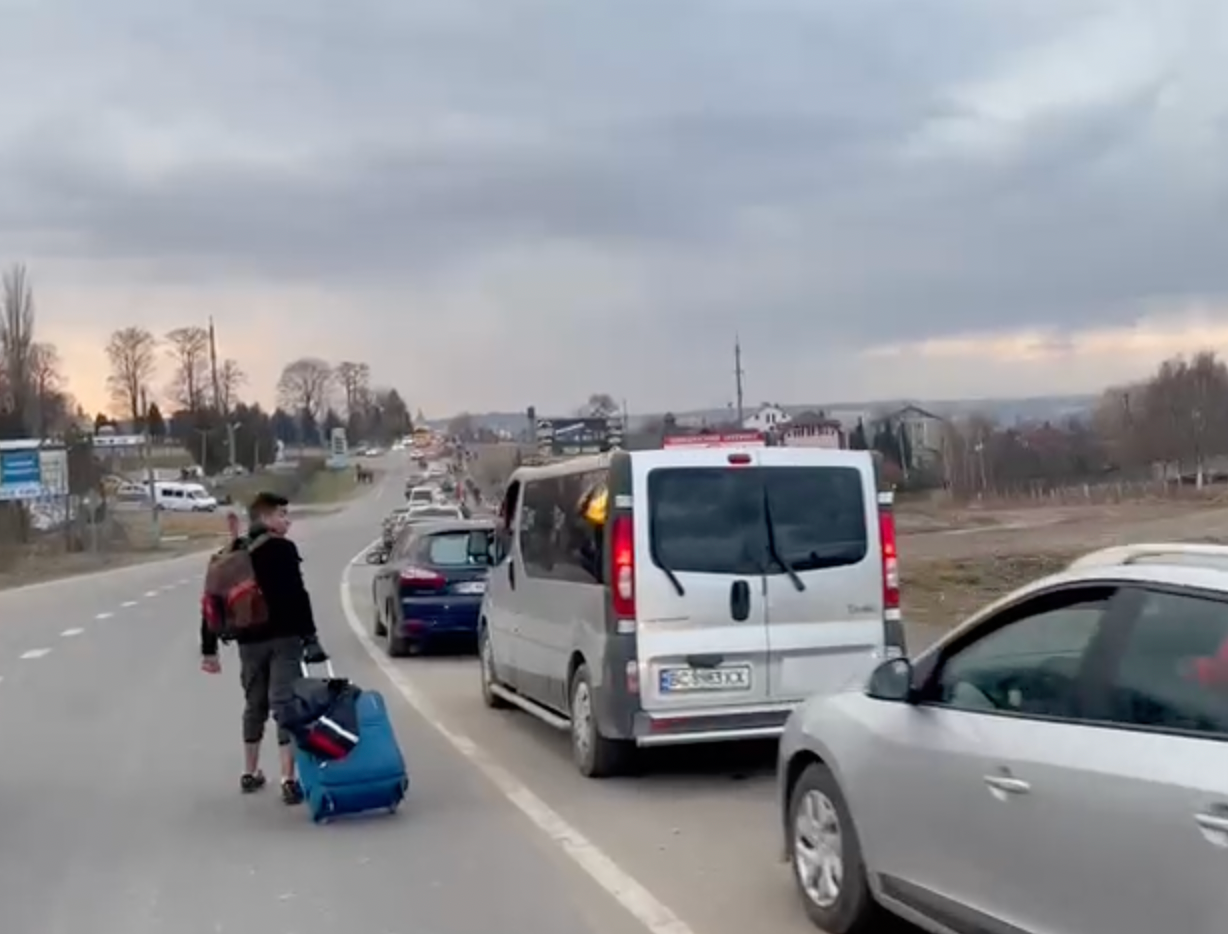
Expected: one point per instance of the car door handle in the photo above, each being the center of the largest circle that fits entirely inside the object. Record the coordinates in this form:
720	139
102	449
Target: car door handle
1216	823
511	574
1007	785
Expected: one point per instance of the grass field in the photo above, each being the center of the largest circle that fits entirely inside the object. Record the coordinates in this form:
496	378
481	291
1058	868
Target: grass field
954	562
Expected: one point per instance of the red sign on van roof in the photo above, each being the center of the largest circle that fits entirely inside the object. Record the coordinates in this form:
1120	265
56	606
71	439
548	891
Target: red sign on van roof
732	439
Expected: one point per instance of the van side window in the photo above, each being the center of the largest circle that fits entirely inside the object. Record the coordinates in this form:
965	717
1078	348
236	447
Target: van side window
560	540
537	527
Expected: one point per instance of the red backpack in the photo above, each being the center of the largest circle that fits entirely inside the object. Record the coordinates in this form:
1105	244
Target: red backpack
232	601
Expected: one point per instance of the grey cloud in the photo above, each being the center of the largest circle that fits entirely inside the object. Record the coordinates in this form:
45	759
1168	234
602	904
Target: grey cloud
744	161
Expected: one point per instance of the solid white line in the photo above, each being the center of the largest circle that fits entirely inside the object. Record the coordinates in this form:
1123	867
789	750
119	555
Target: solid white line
645	907
69	633
34	653
128	603
104	616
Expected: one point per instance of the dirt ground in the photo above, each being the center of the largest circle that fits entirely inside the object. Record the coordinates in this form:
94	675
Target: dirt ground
957	560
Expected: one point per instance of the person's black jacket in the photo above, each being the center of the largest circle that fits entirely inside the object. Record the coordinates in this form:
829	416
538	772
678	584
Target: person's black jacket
279	575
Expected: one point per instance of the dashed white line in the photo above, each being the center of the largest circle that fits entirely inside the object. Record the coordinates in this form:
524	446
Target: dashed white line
151	593
69	633
128	603
104	616
34	653
641	904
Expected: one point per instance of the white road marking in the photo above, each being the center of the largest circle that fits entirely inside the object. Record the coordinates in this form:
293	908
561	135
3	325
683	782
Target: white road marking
69	633
104	616
35	653
128	603
645	907
151	593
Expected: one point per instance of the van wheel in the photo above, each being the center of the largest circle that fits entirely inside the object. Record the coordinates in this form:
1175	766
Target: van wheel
826	857
596	756
486	659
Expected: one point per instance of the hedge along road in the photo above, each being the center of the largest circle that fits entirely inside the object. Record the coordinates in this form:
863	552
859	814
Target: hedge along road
119	799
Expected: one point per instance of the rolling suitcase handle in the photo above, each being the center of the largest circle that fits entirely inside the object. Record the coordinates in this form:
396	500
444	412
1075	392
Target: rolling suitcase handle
328	669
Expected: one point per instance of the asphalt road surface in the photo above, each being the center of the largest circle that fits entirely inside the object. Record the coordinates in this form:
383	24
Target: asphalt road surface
119	803
120	812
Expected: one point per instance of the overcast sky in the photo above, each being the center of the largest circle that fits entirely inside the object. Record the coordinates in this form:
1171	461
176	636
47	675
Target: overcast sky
508	202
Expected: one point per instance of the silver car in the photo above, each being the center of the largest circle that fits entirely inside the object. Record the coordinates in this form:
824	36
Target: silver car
1056	765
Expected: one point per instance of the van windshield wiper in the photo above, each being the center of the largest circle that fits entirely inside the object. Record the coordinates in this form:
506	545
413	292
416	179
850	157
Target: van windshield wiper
673	578
773	550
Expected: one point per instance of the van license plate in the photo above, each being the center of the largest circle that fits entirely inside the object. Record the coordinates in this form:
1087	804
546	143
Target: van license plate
695	680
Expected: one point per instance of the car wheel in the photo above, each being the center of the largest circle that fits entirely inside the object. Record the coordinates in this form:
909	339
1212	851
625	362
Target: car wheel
377	625
486	660
596	756
395	645
826	856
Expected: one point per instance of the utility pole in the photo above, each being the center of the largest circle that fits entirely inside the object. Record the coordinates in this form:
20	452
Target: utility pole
738	373
154	521
217	388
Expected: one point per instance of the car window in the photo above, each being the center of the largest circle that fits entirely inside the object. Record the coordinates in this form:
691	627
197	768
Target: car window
1173	670
1032	663
451	550
818	516
707	520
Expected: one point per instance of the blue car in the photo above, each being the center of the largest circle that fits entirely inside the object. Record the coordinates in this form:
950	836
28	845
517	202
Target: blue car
431	584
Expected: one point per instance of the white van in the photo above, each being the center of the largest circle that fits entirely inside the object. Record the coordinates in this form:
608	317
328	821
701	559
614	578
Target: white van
183	497
676	596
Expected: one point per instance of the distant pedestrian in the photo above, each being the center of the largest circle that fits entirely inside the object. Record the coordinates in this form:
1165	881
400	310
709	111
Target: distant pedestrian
270	653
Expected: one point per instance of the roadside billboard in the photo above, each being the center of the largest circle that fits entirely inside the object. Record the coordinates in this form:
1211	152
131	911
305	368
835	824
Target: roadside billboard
569	437
28	471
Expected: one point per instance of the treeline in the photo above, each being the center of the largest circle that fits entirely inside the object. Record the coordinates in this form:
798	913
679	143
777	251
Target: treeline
33	400
1171	427
208	416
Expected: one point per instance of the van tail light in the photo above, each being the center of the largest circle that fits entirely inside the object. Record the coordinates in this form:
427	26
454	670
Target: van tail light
413	578
622	567
633	677
893	627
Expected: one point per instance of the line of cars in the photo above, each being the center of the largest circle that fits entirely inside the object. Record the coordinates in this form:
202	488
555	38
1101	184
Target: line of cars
434	560
1058	763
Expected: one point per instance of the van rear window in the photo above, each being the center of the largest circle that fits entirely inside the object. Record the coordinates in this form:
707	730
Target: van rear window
718	520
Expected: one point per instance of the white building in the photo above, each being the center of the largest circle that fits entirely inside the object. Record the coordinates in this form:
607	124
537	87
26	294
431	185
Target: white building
769	417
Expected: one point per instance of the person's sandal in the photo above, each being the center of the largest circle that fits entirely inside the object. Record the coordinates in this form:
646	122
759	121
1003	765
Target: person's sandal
251	782
291	792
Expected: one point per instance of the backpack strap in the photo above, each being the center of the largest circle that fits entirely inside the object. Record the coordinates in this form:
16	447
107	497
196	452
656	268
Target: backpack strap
253	544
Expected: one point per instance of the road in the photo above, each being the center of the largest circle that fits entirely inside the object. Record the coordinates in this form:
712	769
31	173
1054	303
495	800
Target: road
119	805
120	814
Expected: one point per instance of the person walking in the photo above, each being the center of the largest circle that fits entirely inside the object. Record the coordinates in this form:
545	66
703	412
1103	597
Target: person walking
271	653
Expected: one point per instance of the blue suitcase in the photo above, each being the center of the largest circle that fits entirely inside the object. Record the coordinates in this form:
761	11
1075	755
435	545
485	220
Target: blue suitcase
371	778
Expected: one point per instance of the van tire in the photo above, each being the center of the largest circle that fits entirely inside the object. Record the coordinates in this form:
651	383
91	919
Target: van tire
596	756
487	671
377	626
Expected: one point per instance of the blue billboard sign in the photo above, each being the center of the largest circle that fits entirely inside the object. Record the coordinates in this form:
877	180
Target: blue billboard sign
31	472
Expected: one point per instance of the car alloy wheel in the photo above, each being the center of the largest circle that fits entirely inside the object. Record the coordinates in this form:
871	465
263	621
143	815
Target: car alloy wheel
818	849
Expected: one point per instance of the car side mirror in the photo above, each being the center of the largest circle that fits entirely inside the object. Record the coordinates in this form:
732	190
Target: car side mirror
377	556
892	680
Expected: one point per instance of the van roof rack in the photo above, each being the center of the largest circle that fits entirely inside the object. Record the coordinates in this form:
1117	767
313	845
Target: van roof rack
1183	553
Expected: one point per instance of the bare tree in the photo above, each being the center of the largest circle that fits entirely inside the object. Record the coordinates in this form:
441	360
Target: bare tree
303	387
46	383
355	382
17	340
600	405
131	353
188	349
229	379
